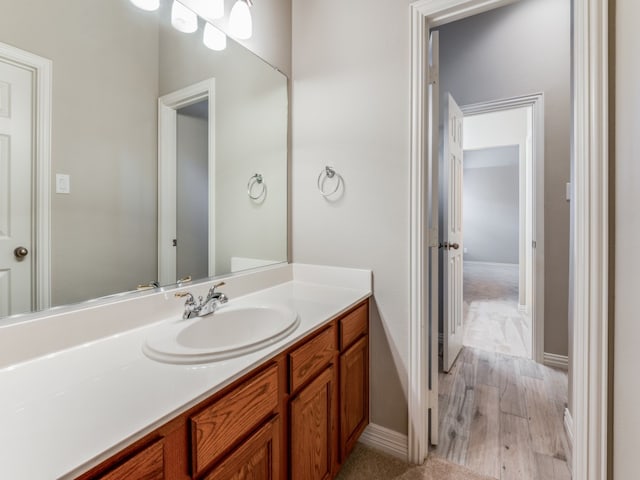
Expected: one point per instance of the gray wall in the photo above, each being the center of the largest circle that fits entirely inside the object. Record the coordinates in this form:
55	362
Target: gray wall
490	215
351	111
105	88
626	388
192	192
527	51
105	138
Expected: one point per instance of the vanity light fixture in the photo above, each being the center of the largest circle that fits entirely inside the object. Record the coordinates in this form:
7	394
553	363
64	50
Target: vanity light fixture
183	19
148	5
213	38
240	23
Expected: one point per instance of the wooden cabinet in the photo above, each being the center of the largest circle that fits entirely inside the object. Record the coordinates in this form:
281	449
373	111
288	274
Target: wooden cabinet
295	417
258	458
354	377
145	465
224	423
354	394
312	423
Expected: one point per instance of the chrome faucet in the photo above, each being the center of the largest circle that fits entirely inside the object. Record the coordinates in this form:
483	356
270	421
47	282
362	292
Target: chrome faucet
200	308
191	307
213	301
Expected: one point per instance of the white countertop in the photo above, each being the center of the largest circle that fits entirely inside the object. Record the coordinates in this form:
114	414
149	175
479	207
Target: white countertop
63	413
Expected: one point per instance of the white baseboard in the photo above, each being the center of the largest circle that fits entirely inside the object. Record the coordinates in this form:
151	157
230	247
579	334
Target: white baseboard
556	361
385	440
568	428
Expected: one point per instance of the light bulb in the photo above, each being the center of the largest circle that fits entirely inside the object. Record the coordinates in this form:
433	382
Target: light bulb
211	9
183	19
148	5
214	38
240	23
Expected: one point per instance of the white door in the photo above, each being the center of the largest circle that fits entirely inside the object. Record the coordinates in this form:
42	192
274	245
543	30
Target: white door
16	155
452	233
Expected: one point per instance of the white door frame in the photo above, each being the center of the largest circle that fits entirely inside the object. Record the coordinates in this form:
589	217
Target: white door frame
533	180
168	106
41	69
590	157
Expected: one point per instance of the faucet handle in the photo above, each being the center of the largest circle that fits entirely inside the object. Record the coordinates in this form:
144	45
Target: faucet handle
212	290
189	296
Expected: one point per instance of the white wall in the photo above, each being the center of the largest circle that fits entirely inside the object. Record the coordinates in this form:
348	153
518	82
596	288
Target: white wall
521	49
626	392
351	111
490	213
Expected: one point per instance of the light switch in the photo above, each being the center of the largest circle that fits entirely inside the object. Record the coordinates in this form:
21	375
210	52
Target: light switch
63	183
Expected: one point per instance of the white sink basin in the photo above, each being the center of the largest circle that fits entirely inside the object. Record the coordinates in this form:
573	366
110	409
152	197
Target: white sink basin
227	333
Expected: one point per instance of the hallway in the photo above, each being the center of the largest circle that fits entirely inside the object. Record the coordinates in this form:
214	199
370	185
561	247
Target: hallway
502	416
492	319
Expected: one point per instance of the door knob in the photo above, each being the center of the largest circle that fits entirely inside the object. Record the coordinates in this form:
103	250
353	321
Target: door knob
21	252
455	246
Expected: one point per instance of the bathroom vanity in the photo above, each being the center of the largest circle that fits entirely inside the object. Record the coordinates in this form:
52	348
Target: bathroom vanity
299	412
102	409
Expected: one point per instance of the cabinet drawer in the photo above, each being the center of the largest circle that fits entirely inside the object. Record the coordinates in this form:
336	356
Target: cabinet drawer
147	465
309	359
215	429
353	326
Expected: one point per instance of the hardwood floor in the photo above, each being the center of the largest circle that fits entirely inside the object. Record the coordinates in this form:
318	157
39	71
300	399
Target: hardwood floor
491	316
502	416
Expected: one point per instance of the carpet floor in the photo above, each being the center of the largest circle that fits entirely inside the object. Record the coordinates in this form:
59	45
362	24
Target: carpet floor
365	463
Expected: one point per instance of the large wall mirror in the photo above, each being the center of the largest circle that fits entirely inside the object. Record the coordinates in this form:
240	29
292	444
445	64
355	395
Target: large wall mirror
167	159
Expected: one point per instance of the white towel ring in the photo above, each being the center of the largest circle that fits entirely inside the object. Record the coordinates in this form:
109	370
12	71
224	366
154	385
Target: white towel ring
328	172
256	179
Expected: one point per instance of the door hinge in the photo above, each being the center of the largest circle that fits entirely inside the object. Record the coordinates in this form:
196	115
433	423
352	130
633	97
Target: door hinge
433	238
533	244
432	75
174	243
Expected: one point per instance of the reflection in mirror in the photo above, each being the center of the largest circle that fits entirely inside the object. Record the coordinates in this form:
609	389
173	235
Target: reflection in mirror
100	230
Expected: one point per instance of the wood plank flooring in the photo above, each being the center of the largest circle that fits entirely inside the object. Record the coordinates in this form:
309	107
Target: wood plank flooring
502	416
491	316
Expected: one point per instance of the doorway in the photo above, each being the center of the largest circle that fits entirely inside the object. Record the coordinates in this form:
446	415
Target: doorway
499	221
25	163
186	183
589	156
590	159
498	155
192	191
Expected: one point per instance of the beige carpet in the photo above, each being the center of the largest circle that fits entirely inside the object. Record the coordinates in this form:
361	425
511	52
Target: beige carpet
365	463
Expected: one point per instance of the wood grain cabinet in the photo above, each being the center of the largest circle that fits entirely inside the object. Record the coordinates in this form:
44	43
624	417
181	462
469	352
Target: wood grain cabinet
258	458
354	377
295	417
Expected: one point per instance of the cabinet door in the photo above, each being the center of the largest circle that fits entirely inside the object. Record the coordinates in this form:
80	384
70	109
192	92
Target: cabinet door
258	458
354	394
146	465
312	423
